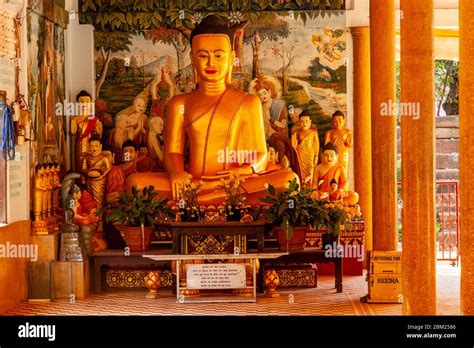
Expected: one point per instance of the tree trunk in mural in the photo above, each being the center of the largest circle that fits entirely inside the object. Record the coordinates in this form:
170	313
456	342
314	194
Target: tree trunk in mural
180	44
239	54
255	63
106	57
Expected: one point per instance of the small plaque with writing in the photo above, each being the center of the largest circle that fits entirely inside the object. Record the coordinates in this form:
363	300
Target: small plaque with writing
216	276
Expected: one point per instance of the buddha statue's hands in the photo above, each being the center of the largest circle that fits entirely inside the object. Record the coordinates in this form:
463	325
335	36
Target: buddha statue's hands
244	170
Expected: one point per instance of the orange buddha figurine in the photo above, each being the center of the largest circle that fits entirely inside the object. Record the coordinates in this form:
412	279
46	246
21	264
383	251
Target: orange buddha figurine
96	167
328	171
305	141
341	137
214	119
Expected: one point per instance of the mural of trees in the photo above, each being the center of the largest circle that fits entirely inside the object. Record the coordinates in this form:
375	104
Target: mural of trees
171	37
108	43
258	32
181	15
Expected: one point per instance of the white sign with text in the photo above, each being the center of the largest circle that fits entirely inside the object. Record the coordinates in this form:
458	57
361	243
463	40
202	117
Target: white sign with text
216	276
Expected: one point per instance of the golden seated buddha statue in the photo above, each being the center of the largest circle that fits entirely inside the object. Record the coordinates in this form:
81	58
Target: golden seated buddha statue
224	127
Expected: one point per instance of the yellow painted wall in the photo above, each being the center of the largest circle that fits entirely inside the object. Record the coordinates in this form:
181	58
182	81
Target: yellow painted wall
14	271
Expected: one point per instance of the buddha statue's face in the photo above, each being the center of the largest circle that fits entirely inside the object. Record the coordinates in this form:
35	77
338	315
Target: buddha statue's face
333	187
212	56
129	153
142	152
305	122
338	122
95	147
40	171
272	155
330	157
139	105
85	103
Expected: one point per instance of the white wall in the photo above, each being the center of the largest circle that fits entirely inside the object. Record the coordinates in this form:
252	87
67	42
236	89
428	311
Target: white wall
17	175
80	67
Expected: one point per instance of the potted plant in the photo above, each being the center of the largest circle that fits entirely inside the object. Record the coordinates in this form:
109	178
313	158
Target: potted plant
234	204
188	206
292	213
136	214
336	220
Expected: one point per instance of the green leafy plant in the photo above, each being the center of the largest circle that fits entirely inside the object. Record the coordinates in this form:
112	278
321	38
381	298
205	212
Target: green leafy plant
293	208
139	208
338	218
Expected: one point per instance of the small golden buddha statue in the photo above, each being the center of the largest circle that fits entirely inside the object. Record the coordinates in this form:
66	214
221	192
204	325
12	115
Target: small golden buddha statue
274	163
96	166
56	176
305	140
328	171
341	137
213	119
39	191
39	225
48	193
84	126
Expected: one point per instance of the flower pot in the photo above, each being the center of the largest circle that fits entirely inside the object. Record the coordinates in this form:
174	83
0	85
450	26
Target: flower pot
136	239
233	214
329	239
189	215
297	240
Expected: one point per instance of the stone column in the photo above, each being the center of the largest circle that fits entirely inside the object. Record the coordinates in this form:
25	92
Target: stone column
384	144
418	157
362	127
466	150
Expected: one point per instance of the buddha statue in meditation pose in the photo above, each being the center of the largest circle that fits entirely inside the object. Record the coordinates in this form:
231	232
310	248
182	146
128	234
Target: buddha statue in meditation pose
330	170
213	119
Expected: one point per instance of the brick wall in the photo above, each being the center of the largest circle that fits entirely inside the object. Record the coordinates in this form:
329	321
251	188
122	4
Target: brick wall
447	148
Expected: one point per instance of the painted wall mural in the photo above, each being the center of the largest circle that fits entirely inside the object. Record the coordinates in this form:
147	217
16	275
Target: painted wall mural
291	54
292	65
46	80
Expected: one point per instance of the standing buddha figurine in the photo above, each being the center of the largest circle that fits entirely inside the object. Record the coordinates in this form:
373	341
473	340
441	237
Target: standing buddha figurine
341	137
96	166
305	141
56	172
84	126
39	226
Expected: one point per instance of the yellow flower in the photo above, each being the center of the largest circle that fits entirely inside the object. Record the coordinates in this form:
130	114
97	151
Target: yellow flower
193	186
294	193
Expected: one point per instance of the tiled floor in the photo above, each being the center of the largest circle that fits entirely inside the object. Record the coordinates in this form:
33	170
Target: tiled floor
319	301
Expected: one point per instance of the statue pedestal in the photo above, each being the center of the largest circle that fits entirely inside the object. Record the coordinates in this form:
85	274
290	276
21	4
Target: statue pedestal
47	246
69	278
